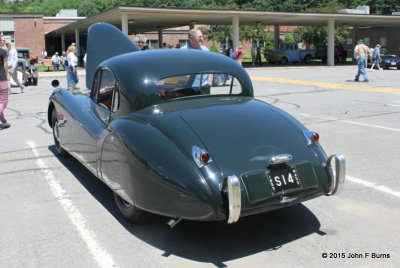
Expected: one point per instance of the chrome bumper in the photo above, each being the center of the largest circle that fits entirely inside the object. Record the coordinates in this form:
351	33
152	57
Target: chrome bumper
336	168
234	198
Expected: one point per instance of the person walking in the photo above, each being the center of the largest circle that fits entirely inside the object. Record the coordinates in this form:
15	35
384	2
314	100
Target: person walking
72	74
3	83
361	53
376	58
12	65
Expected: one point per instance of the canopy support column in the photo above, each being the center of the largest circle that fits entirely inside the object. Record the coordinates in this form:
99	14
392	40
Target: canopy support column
124	22
235	33
276	36
331	42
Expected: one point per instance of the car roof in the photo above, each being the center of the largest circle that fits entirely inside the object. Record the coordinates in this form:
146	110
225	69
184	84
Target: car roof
139	72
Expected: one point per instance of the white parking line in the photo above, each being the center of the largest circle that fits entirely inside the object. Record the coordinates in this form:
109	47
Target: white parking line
373	185
368	125
101	256
351	122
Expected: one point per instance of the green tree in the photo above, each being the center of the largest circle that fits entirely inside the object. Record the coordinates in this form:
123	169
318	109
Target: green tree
319	35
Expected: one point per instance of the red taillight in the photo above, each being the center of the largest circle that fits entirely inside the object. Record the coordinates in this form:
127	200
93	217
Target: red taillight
200	156
315	137
205	157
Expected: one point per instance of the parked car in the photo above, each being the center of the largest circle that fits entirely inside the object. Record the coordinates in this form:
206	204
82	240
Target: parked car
340	53
178	133
289	52
26	70
388	60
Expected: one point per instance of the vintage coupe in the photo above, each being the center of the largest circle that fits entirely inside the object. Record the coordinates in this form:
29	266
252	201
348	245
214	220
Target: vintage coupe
179	133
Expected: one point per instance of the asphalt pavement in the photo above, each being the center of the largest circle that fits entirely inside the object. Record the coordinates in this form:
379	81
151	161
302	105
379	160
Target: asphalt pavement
55	213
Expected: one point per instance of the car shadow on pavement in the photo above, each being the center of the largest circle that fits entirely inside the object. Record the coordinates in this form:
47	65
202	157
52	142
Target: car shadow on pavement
208	242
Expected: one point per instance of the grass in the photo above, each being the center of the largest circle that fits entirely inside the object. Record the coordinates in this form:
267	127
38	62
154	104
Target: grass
42	68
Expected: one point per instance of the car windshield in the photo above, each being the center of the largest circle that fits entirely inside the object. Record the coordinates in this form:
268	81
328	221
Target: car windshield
23	54
198	84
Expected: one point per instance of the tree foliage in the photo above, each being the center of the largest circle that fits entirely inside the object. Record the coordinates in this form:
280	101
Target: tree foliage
92	7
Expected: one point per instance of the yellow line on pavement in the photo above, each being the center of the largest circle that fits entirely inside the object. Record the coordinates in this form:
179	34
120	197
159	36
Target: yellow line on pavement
327	85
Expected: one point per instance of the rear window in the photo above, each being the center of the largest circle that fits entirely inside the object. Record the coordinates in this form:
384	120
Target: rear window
198	84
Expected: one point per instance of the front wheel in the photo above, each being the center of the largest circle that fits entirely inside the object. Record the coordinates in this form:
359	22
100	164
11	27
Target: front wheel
129	211
283	60
307	59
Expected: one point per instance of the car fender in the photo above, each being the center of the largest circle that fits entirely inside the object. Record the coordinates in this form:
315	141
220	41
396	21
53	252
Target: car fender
149	170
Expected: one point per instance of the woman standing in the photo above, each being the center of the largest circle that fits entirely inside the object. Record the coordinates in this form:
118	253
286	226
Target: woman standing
72	75
3	83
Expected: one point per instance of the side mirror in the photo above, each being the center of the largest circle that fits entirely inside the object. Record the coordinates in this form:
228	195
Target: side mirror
55	83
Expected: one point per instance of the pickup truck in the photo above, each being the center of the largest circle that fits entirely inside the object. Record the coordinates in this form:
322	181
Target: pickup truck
290	53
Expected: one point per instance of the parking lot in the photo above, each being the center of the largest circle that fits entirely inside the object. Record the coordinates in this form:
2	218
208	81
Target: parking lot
55	213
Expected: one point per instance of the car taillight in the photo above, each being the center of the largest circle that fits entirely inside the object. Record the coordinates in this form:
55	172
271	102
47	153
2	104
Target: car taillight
200	156
315	137
312	137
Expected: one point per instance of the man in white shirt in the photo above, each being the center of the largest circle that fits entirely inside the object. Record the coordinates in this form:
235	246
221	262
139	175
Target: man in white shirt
196	39
12	65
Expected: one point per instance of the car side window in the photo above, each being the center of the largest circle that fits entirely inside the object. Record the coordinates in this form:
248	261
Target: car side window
107	94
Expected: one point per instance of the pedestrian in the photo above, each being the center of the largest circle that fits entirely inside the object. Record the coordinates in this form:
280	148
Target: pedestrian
361	53
376	58
253	55
3	83
239	54
140	41
63	60
12	65
196	42
258	55
56	61
72	74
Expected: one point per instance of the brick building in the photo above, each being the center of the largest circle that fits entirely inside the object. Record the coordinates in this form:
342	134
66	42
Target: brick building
388	38
29	29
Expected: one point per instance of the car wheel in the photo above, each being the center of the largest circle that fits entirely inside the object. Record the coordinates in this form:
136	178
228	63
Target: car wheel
283	60
59	149
307	59
129	211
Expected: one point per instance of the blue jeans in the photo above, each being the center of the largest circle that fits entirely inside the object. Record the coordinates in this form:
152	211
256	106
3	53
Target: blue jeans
361	68
72	77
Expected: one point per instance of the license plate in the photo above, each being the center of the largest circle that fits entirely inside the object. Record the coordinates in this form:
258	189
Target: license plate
283	179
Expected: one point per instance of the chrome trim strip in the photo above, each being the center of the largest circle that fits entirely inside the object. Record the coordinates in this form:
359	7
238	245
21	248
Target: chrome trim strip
338	175
234	198
279	159
286	200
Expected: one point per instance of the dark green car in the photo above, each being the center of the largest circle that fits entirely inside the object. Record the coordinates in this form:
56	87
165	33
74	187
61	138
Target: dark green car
179	133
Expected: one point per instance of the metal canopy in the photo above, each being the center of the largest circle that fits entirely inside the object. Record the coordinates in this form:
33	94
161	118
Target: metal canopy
142	19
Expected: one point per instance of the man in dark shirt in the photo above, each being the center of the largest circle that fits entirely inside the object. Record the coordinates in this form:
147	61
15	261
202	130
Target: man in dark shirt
3	82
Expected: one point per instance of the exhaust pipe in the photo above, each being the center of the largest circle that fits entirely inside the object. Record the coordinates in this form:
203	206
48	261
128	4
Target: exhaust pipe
172	222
